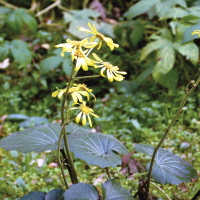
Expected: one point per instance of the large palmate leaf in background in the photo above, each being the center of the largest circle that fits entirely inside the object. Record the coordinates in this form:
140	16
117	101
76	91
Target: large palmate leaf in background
168	168
55	194
140	7
81	191
97	149
112	190
39	138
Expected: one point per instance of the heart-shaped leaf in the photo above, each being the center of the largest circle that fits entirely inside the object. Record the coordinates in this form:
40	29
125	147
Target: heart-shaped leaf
81	191
55	194
97	149
39	138
112	190
34	195
168	168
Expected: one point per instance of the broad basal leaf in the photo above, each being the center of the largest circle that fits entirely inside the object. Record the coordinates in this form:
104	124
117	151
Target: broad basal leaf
112	190
40	138
97	149
81	191
34	195
55	194
168	168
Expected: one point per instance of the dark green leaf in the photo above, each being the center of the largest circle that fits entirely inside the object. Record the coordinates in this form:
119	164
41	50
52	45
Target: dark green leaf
169	79
50	63
168	168
22	56
139	8
137	32
40	138
190	50
112	190
34	195
81	191
19	20
97	149
175	13
165	60
3	52
56	194
80	18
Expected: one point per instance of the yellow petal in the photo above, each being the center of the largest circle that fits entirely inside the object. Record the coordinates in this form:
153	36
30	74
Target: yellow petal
85	30
54	94
110	76
84	64
97	57
89	120
84	119
102	70
94	115
78	117
78	64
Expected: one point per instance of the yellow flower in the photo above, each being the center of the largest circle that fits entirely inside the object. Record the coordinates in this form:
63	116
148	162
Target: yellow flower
196	32
72	45
76	92
100	36
82	60
112	71
85	113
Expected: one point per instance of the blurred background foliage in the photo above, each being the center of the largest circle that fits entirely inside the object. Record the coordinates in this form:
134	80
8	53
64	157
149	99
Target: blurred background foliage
156	50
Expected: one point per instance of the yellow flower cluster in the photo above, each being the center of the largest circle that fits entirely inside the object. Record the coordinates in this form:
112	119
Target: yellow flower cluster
80	59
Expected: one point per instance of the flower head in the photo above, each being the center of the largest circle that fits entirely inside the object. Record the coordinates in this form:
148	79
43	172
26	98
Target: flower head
196	32
76	92
81	60
112	71
72	45
85	113
100	36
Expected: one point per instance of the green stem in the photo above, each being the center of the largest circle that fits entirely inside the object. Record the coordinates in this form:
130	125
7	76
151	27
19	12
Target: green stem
56	3
108	172
60	163
8	4
188	92
94	76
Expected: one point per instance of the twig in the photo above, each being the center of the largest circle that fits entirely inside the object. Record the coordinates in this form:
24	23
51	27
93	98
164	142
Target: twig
8	4
161	190
56	3
193	85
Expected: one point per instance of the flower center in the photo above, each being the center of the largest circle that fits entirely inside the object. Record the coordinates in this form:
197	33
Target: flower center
78	53
76	43
85	109
108	65
100	35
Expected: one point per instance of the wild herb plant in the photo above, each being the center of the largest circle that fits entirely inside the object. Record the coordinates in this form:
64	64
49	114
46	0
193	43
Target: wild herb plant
94	148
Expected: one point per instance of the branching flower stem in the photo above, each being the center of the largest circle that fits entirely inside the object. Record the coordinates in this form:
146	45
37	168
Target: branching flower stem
192	86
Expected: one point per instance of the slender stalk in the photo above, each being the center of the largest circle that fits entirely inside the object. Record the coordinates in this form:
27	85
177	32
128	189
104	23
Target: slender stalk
196	195
60	163
108	172
81	77
193	85
70	160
